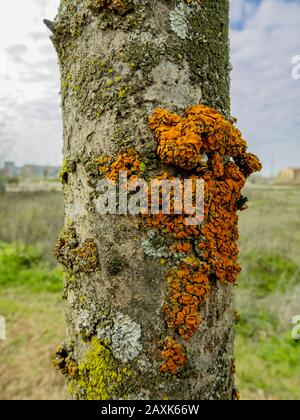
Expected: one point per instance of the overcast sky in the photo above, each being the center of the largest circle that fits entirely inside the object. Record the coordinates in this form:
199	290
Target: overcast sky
265	35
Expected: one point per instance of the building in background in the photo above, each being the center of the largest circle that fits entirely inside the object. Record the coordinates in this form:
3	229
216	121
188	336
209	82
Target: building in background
289	176
30	171
10	170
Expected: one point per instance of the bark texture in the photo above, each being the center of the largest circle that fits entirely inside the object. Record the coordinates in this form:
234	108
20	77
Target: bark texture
119	61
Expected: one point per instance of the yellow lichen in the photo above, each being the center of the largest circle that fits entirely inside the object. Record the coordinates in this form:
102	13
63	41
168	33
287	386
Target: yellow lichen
100	376
64	172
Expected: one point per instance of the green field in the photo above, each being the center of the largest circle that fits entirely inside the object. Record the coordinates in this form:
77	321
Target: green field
267	298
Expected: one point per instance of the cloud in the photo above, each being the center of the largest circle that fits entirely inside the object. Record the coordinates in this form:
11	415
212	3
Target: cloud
264	37
241	10
265	98
16	52
30	118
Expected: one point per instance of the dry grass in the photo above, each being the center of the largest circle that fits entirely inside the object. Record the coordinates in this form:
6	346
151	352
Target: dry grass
32	218
35	325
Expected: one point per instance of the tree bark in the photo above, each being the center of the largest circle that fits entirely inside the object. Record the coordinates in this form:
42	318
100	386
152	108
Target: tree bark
119	61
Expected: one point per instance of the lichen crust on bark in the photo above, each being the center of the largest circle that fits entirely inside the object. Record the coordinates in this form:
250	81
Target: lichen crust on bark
120	61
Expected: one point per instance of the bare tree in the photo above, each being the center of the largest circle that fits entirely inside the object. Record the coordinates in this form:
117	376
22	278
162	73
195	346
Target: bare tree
150	310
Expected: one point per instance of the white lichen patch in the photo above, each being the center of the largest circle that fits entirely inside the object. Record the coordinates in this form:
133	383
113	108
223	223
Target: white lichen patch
87	319
179	20
124	337
154	245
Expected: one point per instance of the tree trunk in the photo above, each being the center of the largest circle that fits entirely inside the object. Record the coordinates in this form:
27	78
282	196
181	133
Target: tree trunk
120	60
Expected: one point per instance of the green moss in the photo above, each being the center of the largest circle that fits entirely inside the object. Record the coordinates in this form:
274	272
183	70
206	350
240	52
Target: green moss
143	55
143	168
64	172
72	16
122	6
207	51
98	86
123	92
116	264
69	277
100	376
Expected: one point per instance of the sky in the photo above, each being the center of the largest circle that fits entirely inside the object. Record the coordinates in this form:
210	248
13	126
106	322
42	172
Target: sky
265	36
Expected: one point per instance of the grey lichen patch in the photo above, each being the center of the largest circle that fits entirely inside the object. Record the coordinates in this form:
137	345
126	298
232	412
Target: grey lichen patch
179	20
88	318
155	245
75	15
89	311
124	336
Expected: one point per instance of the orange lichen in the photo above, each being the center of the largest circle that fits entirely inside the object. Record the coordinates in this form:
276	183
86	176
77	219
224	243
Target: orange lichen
126	162
236	395
207	251
182	141
173	357
179	142
87	256
103	164
188	289
217	242
249	163
62	361
174	224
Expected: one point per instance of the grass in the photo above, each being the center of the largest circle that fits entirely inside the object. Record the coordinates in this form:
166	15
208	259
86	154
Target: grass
35	325
31	289
267	358
22	265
